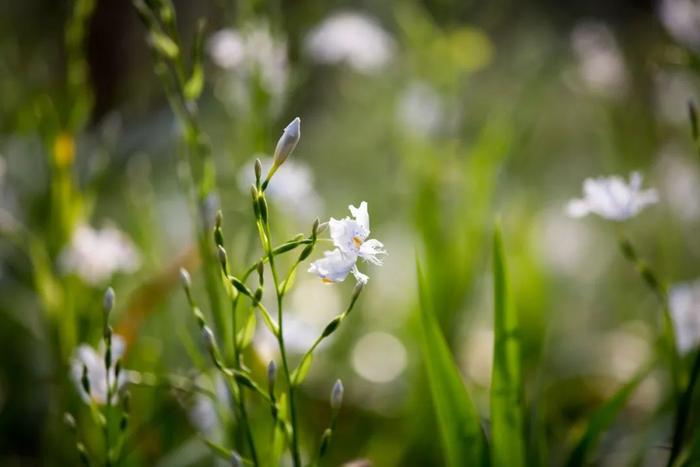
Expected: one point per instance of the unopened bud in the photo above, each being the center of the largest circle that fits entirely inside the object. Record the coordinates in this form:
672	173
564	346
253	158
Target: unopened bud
218	219
286	144
332	326
185	279
223	259
108	301
321	228
261	273
236	460
337	395
258	171
256	206
209	342
271	377
240	286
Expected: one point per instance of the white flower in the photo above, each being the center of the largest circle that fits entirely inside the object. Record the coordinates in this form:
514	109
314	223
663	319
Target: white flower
684	301
352	38
252	51
612	198
95	255
350	238
94	361
420	109
350	235
335	267
292	188
601	65
682	20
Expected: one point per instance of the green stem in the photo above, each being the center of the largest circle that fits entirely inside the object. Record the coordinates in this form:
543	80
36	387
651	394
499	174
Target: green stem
283	353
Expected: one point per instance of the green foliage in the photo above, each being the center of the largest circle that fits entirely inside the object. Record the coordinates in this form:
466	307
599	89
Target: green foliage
507	405
458	420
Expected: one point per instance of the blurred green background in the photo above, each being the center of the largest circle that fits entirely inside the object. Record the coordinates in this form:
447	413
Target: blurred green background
441	115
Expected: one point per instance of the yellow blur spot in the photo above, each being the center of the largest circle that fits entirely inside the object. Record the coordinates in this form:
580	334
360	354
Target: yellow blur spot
357	241
326	281
64	150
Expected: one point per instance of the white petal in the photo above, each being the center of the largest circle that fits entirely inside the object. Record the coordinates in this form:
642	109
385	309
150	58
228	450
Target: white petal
361	215
362	278
334	266
370	251
577	208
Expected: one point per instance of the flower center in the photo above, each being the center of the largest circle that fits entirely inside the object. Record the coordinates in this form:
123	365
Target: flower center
357	241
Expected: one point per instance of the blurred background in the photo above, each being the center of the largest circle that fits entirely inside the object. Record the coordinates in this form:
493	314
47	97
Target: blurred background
442	115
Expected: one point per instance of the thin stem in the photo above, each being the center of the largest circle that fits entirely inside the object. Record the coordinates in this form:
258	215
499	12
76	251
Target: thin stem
283	353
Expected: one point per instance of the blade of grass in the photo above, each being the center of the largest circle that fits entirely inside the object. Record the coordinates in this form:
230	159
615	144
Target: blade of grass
458	421
602	418
683	410
507	432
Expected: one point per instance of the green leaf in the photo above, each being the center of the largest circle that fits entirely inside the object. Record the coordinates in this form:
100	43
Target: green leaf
299	374
245	335
195	84
602	418
507	433
164	44
458	421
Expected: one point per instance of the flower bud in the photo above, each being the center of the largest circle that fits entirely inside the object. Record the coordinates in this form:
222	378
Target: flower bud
261	273
325	441
185	279
254	195
108	302
258	171
332	326
337	395
223	259
240	286
210	343
286	144
236	460
271	377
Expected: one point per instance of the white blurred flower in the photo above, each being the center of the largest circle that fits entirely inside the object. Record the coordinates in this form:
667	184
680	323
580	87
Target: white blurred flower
685	311
292	188
203	413
351	38
612	198
680	183
95	255
349	235
94	360
299	335
420	109
249	52
682	20
600	62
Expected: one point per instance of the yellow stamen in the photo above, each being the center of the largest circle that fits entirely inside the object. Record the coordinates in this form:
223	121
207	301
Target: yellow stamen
357	241
326	281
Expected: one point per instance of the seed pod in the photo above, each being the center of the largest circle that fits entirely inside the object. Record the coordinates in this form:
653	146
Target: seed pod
223	259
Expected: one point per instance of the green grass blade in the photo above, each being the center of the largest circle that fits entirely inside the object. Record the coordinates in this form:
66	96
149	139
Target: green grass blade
460	430
602	418
507	432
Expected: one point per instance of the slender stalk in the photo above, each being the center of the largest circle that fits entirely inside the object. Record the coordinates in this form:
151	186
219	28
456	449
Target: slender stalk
283	353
